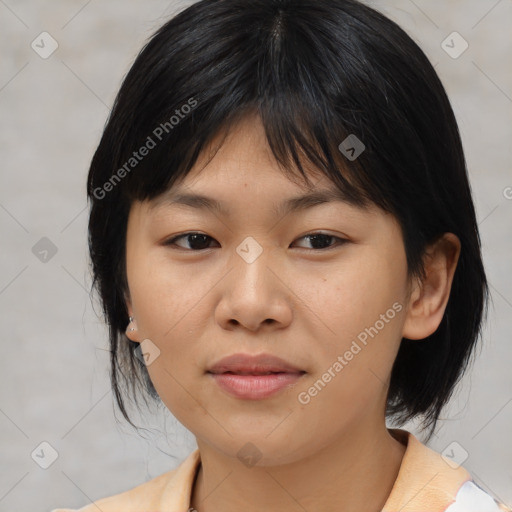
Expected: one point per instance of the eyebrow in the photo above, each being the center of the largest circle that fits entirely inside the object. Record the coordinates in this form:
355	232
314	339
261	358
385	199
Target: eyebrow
293	204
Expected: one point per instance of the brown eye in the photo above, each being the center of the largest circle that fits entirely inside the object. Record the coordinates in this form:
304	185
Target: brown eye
195	241
321	241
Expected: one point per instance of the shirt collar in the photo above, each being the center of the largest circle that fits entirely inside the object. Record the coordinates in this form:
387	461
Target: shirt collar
426	480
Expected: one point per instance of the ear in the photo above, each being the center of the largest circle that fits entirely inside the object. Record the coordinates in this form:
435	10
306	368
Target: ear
429	297
132	331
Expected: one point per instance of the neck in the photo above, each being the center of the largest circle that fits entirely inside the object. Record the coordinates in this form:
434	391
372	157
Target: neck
355	473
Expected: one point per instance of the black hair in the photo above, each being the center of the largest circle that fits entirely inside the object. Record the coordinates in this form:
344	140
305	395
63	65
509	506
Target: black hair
316	72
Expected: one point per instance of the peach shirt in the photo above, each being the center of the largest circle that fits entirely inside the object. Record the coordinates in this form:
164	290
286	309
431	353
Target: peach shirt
426	482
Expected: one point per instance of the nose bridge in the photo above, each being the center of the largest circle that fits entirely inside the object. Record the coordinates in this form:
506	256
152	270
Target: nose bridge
251	260
252	295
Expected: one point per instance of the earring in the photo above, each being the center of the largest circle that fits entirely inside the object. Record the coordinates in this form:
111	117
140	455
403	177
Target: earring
131	320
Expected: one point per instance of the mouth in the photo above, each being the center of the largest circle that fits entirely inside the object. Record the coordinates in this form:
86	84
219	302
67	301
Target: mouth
254	377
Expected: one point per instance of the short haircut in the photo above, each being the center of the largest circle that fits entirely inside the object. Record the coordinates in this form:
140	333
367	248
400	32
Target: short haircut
316	72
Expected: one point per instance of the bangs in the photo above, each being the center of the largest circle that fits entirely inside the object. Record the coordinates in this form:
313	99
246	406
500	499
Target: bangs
300	154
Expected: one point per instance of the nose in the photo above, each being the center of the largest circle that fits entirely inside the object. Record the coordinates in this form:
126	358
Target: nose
254	295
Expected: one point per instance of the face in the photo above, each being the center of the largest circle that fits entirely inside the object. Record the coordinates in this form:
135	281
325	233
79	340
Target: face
323	287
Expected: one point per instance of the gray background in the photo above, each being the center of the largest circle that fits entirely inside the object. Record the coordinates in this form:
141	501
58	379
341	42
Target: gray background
54	365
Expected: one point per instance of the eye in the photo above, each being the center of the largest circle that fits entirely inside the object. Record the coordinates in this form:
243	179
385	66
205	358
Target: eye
197	241
321	241
200	241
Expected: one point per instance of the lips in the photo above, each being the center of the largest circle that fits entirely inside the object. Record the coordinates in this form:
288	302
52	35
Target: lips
245	364
258	377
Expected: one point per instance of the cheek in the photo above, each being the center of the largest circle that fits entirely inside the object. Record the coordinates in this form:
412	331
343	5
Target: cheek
352	296
363	310
170	306
162	296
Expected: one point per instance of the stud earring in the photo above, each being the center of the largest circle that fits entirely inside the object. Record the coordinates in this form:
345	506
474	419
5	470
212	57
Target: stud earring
131	329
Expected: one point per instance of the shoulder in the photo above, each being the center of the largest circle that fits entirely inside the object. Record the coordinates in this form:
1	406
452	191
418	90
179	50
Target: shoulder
472	498
165	489
428	480
145	495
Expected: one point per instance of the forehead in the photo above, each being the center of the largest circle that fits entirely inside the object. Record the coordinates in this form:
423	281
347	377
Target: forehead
239	163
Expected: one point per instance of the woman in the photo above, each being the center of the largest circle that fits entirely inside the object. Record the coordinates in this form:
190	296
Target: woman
284	240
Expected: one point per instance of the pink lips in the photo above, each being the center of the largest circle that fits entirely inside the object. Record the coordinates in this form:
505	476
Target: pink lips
254	377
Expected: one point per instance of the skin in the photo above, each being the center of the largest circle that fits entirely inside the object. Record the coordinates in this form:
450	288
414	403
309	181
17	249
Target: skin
301	303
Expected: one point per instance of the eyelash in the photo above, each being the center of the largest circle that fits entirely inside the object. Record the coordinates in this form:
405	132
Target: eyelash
341	241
